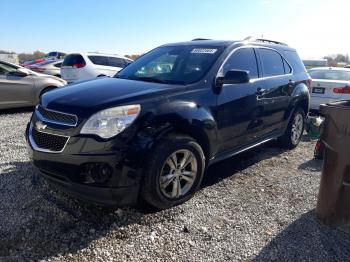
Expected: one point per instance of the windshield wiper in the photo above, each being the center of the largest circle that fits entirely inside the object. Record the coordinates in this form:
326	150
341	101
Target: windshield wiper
150	79
153	79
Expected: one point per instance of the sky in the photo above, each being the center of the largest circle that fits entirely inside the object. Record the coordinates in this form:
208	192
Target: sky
314	27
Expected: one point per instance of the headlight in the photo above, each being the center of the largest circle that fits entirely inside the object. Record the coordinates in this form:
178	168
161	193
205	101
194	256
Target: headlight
112	121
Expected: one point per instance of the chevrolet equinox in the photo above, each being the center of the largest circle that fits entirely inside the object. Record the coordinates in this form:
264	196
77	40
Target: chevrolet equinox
151	130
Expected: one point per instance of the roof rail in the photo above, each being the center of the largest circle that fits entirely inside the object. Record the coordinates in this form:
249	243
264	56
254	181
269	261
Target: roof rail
263	40
199	39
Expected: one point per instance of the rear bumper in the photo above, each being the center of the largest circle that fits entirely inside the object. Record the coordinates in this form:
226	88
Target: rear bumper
315	102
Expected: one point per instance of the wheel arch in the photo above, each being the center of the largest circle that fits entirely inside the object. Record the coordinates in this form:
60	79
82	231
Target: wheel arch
42	91
185	120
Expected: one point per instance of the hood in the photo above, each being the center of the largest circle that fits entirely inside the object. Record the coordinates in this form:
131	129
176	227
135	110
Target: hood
101	93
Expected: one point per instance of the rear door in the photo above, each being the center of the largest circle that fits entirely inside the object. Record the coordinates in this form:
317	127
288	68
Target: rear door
117	62
15	90
103	66
278	82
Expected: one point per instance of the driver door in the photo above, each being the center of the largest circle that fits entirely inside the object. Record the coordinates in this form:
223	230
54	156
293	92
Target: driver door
15	90
239	111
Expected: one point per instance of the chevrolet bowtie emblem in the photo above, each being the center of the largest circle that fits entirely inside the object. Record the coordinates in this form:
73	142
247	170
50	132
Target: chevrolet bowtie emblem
40	126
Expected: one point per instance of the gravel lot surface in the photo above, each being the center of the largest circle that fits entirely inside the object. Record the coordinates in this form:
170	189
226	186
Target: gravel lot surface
256	206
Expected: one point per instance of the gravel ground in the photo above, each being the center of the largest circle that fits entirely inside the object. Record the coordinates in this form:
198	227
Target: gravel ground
256	206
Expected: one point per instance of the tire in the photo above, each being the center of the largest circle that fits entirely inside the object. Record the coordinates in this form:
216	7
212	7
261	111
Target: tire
155	192
292	137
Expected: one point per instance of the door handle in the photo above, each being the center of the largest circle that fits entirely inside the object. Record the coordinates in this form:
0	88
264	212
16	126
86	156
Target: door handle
260	90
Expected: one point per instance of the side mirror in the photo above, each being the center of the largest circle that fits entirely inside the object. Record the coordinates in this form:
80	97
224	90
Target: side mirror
233	77
20	72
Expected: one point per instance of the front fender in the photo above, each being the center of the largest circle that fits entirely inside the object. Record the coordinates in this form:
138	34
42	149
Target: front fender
182	117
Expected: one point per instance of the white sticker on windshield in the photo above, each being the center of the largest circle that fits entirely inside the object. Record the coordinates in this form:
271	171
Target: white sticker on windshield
203	51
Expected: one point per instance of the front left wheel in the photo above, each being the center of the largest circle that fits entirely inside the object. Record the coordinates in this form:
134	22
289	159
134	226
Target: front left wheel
174	172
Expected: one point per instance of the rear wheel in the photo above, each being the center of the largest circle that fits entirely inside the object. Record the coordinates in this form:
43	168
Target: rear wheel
174	172
295	129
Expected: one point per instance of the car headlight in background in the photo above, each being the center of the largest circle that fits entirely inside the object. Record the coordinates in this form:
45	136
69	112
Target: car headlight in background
110	122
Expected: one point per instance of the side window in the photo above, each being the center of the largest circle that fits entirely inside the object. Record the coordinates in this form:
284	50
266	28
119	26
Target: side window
4	69
58	65
99	60
272	62
242	59
116	62
287	68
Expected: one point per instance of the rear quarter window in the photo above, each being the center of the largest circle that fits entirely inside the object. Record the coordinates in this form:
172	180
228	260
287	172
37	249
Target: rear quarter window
295	61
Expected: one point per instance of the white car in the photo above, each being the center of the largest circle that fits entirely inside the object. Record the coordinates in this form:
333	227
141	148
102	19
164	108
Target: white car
49	67
85	66
329	84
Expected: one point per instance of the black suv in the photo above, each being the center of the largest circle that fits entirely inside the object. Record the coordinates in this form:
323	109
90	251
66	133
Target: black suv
152	130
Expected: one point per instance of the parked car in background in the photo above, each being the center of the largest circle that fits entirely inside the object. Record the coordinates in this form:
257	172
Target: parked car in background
48	67
84	66
329	84
27	64
11	58
20	87
153	128
52	56
312	63
55	55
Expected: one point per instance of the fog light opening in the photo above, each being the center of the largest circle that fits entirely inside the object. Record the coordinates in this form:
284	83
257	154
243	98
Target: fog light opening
96	173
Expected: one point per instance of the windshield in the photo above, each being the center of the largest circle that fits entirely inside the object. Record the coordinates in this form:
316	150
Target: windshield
173	64
330	74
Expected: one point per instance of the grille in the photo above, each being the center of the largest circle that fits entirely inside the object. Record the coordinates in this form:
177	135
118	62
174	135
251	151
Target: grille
49	141
58	117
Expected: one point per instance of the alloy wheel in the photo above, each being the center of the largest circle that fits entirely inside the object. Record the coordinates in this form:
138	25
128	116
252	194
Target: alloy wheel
297	128
178	174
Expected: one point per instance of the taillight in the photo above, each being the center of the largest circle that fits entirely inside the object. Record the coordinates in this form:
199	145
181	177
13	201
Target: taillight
80	65
342	90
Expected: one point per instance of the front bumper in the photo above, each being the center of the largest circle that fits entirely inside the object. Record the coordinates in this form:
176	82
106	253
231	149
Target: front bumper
77	171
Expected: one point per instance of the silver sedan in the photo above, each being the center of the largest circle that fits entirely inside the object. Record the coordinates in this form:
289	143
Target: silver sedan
20	87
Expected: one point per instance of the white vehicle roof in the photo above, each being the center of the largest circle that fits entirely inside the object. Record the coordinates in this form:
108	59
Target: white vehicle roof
99	54
330	68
